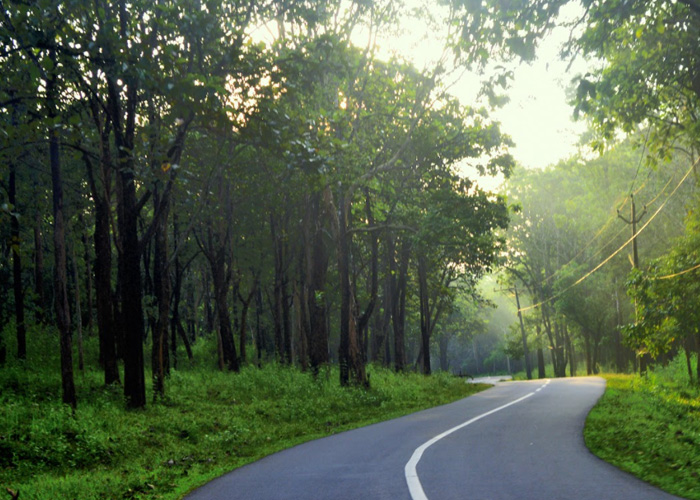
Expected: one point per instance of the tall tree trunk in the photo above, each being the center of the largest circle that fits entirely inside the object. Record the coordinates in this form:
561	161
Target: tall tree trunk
259	332
363	322
352	367
216	252
425	327
78	311
316	263
21	329
541	373
131	291
39	267
176	323
443	343
103	291
301	307
244	320
101	194
398	313
161	284
59	239
225	331
88	275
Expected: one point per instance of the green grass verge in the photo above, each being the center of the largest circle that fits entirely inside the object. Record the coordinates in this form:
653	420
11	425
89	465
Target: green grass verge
209	423
650	426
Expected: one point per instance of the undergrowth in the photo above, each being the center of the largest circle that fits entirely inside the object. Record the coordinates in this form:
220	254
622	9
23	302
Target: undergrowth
209	422
650	426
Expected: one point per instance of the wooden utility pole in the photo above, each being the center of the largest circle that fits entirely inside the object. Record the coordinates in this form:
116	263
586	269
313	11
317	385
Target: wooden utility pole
634	220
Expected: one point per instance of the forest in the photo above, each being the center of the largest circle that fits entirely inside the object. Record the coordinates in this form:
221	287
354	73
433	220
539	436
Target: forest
270	180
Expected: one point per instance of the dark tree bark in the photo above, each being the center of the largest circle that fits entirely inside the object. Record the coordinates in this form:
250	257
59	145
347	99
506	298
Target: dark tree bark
443	343
350	359
161	282
316	263
259	332
103	263
216	250
363	322
21	329
88	274
398	313
302	316
425	319
59	238
78	311
176	323
540	363
244	320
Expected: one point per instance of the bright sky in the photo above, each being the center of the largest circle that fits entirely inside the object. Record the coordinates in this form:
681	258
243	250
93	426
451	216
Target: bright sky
537	118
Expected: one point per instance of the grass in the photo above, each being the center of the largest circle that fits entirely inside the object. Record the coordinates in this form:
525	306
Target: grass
650	426
209	423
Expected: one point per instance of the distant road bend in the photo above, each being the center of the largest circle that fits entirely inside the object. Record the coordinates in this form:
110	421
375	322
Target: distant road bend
517	440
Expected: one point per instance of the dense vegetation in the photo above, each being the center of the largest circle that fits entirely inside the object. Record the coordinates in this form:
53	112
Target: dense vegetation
261	188
650	427
297	195
209	423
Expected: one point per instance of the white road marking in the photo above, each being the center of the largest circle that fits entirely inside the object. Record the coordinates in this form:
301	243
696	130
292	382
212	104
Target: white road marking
414	486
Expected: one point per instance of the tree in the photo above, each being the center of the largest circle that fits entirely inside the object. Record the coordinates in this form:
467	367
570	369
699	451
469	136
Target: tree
648	66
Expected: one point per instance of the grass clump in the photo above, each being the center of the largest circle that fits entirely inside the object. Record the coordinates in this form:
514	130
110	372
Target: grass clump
209	423
650	426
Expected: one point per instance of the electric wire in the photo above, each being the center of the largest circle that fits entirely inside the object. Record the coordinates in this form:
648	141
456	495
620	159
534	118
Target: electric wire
681	273
610	257
605	226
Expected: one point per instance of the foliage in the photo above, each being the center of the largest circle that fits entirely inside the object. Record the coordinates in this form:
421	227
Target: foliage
210	422
646	62
664	292
650	426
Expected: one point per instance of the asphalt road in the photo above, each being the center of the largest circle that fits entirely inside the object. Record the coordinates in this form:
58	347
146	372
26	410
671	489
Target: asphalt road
517	440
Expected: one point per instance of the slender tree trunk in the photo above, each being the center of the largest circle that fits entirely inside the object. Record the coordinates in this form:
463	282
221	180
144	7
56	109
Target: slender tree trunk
104	299
161	284
131	293
88	275
399	307
15	244
259	333
216	253
541	373
39	267
78	311
364	319
352	367
443	343
225	331
687	349
244	321
176	322
103	291
60	276
425	327
587	347
316	263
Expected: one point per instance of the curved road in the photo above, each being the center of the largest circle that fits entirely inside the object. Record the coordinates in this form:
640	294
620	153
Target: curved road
517	440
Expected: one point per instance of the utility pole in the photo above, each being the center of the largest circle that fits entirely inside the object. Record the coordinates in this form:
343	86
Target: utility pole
526	354
634	220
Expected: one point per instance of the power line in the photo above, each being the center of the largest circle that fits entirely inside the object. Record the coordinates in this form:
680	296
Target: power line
605	226
669	276
610	257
